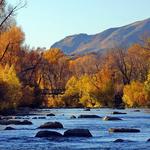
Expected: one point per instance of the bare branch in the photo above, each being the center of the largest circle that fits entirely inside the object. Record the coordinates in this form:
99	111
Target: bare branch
20	5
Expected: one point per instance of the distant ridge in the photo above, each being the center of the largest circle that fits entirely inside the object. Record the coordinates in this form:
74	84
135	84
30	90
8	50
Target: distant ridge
110	38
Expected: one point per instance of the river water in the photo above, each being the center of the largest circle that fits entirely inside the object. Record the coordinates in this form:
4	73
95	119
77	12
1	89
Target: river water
23	138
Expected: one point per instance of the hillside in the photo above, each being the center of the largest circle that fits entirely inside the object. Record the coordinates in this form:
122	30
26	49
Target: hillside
110	38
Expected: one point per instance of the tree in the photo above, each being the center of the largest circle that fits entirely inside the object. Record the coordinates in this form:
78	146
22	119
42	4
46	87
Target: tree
56	69
11	91
87	64
141	61
91	91
10	46
135	94
147	88
124	63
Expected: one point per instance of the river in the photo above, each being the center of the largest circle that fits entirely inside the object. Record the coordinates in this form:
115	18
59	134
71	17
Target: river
23	138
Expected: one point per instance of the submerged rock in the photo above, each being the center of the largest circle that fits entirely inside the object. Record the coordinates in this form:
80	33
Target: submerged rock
9	128
17	117
108	118
121	140
26	122
73	117
35	118
118	113
15	122
48	134
51	114
89	116
129	130
77	133
87	109
51	125
41	117
137	110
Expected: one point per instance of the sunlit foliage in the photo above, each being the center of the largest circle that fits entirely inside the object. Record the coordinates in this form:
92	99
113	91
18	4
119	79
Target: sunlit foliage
11	92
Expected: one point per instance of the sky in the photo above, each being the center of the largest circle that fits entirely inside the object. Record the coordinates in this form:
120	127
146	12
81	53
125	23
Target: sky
48	21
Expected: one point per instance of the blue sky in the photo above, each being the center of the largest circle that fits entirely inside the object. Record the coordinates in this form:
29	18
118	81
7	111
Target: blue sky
47	21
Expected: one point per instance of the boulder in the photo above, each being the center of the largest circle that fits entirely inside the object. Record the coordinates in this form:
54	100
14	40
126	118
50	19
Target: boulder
9	128
48	134
89	116
129	130
51	125
148	140
73	117
118	113
51	114
35	118
108	118
119	140
77	133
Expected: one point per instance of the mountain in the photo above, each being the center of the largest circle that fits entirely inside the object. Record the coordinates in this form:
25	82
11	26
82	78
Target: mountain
110	38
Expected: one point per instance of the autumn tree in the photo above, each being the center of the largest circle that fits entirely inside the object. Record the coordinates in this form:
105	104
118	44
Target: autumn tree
141	62
10	86
135	94
56	71
10	46
86	64
72	93
124	63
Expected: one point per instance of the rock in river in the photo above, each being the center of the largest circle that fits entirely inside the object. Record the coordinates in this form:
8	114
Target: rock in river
118	113
89	116
9	128
51	125
41	117
73	117
87	109
119	140
148	140
15	122
48	134
51	114
77	133
129	130
108	118
137	110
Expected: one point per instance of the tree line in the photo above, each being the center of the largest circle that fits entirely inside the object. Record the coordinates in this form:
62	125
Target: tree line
117	78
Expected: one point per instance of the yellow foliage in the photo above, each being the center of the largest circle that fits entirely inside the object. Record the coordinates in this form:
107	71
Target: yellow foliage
89	91
13	93
53	55
135	94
